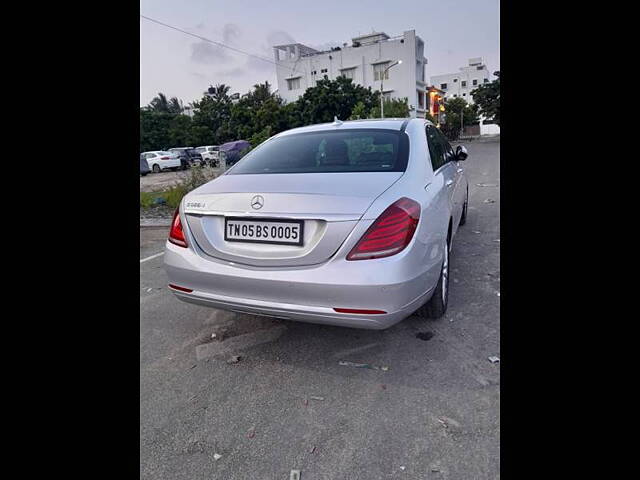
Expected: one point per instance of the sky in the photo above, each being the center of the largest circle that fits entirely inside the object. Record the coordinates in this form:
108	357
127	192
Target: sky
183	66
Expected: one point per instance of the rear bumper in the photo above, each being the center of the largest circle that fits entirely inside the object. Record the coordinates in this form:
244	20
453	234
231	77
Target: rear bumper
305	294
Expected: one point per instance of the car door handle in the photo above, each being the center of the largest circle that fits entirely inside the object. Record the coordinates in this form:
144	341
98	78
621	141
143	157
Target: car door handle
448	183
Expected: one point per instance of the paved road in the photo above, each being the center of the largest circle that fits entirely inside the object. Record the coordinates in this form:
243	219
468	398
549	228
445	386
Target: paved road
434	414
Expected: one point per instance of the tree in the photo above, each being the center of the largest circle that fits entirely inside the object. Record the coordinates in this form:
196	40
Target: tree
161	104
454	107
154	130
334	98
213	113
359	112
393	108
487	97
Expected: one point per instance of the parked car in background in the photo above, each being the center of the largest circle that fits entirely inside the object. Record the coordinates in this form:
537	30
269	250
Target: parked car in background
188	156
159	160
144	166
232	151
210	154
347	223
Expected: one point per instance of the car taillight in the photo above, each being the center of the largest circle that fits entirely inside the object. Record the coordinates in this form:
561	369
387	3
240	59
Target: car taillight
390	233
176	234
165	158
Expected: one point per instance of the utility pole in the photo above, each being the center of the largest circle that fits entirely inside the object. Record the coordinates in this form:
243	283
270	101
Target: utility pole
382	88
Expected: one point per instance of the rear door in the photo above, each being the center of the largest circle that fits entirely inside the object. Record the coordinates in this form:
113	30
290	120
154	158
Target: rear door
442	167
458	189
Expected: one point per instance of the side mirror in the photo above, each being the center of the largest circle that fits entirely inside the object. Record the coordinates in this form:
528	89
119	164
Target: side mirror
461	153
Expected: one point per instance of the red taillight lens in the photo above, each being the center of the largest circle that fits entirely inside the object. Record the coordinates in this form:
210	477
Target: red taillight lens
176	234
390	233
181	289
359	311
165	158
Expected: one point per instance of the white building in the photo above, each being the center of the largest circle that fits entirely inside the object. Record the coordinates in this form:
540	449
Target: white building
462	83
364	61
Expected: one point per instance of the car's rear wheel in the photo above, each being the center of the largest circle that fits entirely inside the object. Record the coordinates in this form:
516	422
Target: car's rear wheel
156	168
463	218
436	307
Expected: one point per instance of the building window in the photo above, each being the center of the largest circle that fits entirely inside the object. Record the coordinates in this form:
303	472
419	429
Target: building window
455	94
293	83
486	80
475	81
455	80
324	70
464	94
420	99
443	86
479	68
386	96
326	77
464	83
379	70
348	73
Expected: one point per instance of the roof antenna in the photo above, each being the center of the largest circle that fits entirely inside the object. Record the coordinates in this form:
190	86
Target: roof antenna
336	121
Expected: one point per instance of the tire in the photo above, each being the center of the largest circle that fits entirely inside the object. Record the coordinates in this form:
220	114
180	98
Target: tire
463	218
156	168
174	169
436	307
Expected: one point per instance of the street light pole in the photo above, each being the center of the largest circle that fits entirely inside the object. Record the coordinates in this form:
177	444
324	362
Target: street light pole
384	72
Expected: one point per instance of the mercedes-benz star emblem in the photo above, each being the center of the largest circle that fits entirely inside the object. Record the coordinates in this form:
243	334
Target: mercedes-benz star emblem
257	202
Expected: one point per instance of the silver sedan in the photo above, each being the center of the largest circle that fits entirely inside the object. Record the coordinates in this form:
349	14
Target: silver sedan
347	223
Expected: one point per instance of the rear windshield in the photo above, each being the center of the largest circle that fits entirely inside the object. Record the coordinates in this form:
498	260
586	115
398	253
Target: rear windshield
355	150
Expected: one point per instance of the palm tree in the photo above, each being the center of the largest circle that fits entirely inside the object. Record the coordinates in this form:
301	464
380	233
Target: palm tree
175	105
219	92
161	104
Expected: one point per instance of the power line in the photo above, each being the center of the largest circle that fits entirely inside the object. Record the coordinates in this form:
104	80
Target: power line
220	44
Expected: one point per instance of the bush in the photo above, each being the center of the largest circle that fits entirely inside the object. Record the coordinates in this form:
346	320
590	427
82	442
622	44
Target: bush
196	177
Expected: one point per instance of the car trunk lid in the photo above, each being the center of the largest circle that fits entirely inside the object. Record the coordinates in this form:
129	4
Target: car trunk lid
328	204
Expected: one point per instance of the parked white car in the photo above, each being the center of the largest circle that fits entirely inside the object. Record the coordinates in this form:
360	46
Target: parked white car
159	160
210	154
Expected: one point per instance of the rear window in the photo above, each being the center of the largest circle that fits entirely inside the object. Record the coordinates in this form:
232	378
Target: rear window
355	150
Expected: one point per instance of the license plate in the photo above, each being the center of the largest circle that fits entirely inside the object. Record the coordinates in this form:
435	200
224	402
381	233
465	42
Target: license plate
276	231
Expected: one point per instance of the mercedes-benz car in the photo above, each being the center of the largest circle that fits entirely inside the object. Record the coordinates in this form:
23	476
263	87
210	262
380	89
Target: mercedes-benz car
347	223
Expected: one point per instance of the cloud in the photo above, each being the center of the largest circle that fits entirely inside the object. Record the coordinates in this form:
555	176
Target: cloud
208	53
230	33
279	37
257	65
234	72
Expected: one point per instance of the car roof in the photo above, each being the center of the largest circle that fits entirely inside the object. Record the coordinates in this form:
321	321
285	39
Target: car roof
377	123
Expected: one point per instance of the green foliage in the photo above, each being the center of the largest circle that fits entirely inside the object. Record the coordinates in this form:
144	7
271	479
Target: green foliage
257	115
334	98
487	98
161	104
454	109
259	137
394	108
359	112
